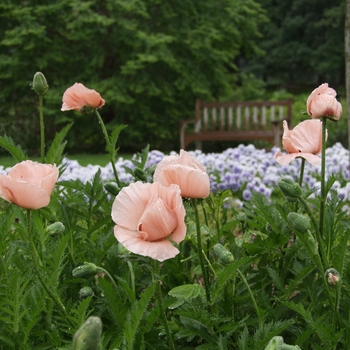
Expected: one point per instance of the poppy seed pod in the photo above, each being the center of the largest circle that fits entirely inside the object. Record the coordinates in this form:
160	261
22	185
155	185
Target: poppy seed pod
112	188
223	254
86	270
39	83
88	336
299	222
56	228
291	190
86	292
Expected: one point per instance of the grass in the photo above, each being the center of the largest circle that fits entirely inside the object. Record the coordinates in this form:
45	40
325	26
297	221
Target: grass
83	159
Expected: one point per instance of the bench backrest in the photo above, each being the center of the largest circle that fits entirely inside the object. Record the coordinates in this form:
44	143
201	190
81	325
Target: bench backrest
247	116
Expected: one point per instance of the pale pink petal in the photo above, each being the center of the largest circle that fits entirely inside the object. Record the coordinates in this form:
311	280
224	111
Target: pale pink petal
129	205
285	159
23	194
158	220
78	96
185	171
159	250
307	137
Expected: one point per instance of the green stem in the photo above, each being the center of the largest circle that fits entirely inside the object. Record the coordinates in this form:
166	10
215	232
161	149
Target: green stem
37	264
301	177
161	306
42	127
252	297
109	147
200	251
323	176
316	230
100	269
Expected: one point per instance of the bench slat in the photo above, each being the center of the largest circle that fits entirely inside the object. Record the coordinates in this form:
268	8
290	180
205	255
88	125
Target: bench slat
236	121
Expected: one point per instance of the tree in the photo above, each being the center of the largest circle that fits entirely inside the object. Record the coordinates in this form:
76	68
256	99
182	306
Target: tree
303	43
149	59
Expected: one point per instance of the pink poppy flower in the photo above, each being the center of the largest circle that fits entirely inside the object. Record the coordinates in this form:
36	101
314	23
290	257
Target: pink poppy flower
304	141
187	172
148	218
29	184
322	102
78	97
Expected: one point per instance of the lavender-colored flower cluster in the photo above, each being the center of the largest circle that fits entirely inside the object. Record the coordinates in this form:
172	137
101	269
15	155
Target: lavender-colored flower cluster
243	170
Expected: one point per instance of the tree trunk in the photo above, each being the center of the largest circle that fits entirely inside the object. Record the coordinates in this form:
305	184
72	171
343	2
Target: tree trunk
347	66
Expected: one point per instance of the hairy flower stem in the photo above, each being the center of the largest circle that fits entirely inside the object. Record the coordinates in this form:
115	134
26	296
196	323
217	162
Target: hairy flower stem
161	306
42	128
110	147
301	177
37	264
252	297
317	232
200	251
323	176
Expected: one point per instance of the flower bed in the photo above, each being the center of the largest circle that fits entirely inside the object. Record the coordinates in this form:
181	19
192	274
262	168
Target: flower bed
243	169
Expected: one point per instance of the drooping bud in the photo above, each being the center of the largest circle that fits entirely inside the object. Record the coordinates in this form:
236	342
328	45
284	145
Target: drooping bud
55	229
112	188
86	292
299	222
39	83
223	254
140	174
88	336
291	190
86	270
333	277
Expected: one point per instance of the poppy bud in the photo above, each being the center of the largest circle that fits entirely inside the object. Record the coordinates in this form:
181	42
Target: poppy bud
299	222
88	336
55	229
291	190
86	292
224	255
39	83
333	277
112	188
86	270
140	174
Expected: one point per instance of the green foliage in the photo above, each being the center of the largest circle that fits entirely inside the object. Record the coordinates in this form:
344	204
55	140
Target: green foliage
149	60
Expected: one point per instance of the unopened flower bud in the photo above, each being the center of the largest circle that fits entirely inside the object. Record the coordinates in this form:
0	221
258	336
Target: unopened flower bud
88	336
299	222
291	190
223	254
86	292
112	188
140	174
333	277
86	270
277	343
39	83
55	229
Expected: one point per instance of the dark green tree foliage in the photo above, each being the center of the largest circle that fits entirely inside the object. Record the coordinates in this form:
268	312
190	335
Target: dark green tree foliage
149	59
303	43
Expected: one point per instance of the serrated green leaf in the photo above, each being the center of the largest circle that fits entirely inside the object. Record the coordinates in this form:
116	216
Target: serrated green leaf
15	150
187	291
54	154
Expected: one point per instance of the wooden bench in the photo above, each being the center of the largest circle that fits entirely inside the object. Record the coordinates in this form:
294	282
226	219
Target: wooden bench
236	121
